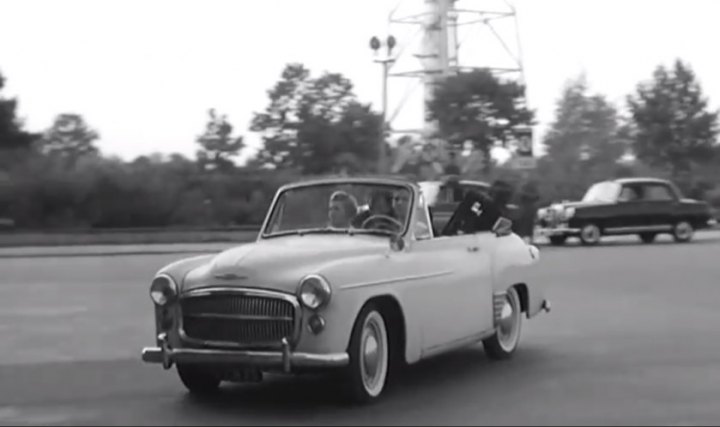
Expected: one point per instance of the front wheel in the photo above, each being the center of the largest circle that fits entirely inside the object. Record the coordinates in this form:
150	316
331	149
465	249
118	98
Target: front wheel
197	380
590	235
503	344
369	356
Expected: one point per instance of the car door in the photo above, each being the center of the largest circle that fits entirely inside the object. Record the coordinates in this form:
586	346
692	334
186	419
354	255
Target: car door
455	304
650	209
656	206
463	305
626	214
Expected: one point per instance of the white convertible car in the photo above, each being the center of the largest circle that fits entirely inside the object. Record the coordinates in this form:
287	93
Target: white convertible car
346	274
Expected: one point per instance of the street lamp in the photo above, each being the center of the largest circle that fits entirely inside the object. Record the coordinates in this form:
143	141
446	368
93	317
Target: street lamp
386	62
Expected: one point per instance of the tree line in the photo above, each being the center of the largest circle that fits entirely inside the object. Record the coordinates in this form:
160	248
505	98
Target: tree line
315	125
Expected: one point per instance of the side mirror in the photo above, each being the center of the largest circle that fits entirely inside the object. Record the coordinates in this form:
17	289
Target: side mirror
397	243
502	227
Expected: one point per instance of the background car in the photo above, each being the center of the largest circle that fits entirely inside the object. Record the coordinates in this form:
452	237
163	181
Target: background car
643	206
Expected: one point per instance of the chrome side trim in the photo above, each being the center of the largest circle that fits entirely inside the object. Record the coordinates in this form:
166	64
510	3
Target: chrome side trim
262	293
397	280
638	229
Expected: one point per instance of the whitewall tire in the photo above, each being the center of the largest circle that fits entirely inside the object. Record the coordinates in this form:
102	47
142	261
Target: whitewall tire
369	356
504	343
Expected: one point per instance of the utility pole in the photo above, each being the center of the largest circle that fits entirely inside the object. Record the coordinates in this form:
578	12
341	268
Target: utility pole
386	63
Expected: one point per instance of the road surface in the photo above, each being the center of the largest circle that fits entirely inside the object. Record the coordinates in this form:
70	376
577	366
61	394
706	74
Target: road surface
633	338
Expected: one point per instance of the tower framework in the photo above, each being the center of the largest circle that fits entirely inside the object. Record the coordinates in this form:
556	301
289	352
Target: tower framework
451	36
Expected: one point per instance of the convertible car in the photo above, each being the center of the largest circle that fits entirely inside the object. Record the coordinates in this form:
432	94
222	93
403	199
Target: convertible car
337	284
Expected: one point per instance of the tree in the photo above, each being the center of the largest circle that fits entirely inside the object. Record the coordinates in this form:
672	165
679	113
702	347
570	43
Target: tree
218	144
12	136
587	131
70	138
477	106
316	125
673	127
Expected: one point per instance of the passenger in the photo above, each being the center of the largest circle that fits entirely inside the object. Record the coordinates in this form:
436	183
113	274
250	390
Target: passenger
381	203
401	205
342	209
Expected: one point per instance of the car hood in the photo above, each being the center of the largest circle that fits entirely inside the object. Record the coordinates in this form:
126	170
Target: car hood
279	263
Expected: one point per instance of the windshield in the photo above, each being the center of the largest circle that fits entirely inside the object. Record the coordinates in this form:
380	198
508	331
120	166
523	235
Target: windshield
602	192
340	208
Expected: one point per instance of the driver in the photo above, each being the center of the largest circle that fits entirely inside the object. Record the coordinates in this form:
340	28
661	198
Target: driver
342	209
381	203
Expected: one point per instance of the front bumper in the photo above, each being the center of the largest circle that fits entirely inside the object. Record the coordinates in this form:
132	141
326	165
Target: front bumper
284	359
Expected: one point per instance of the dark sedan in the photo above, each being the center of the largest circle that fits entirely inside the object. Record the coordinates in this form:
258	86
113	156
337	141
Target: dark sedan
643	206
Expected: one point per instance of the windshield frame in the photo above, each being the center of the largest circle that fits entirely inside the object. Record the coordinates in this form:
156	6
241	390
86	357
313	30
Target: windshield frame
609	184
264	234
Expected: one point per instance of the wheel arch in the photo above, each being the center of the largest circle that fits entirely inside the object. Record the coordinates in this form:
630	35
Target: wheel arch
395	322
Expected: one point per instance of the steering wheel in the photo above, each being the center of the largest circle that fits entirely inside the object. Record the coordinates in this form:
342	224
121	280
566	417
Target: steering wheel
385	218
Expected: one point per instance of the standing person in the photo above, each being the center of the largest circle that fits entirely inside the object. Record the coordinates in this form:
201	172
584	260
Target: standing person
529	197
452	167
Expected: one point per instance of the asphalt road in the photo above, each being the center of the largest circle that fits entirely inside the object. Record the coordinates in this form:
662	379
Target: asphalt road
633	338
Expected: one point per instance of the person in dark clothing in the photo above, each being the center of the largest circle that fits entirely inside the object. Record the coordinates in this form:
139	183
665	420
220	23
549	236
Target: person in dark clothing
452	167
529	197
478	212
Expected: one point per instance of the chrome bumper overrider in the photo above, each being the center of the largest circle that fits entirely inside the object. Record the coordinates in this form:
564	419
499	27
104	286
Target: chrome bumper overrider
284	359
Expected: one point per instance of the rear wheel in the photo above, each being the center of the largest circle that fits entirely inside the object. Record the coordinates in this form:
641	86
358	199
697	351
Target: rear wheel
648	237
503	344
369	356
683	232
198	380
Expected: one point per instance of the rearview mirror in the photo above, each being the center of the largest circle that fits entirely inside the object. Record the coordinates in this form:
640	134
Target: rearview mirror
397	243
502	227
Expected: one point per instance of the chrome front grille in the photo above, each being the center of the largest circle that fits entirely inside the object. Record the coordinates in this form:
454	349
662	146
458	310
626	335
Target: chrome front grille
241	318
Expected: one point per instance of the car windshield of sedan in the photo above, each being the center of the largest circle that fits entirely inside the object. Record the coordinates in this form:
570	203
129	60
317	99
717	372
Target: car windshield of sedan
348	208
602	192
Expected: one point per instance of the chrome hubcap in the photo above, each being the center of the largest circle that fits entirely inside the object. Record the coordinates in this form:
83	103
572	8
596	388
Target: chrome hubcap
683	230
509	324
506	319
590	233
370	356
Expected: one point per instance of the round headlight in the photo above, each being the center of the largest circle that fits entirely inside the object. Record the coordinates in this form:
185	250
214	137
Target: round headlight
314	292
569	212
163	290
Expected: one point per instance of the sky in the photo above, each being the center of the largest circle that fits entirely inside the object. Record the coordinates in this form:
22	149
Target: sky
145	72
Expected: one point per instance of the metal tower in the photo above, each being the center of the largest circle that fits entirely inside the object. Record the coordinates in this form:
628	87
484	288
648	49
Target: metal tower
448	36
